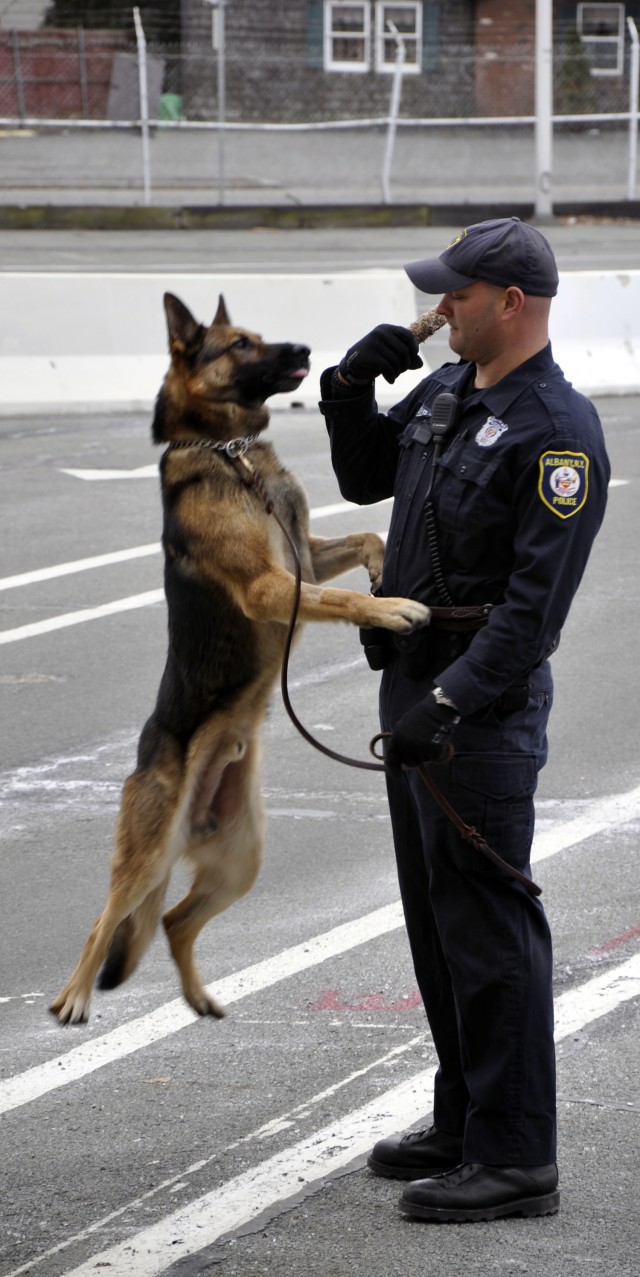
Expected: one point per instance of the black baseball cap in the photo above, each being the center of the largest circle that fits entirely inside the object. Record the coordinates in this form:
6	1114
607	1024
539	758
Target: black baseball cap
504	251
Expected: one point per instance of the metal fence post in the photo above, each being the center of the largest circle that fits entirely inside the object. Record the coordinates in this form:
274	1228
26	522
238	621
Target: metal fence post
84	81
218	45
394	109
144	104
634	84
17	71
544	107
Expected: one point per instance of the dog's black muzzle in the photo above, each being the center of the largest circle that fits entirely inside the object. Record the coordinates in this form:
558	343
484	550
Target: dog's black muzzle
294	358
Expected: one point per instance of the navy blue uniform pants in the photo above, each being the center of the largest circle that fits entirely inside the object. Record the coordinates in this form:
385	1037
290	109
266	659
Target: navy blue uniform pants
480	942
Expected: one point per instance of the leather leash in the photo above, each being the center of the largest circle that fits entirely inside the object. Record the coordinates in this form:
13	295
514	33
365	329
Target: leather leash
236	453
468	832
258	483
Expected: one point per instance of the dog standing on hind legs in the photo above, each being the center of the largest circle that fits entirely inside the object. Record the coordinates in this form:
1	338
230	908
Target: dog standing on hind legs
196	790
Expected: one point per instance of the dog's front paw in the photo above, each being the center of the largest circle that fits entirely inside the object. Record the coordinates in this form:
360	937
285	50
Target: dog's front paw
403	615
373	558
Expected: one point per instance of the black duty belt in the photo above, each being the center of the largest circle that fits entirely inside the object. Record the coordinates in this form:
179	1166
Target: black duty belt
446	636
457	620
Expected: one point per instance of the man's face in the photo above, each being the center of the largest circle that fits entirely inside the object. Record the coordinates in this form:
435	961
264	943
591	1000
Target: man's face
473	314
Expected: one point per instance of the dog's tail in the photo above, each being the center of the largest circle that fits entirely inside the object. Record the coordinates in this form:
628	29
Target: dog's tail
132	938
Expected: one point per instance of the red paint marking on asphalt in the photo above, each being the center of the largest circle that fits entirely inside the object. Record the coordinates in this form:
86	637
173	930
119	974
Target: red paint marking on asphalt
617	941
332	1000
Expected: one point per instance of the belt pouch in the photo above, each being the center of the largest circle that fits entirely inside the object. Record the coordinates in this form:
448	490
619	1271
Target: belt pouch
414	652
514	699
376	644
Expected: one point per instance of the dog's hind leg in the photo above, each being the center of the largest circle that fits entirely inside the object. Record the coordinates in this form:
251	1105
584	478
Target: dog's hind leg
193	814
140	869
227	864
132	938
71	1006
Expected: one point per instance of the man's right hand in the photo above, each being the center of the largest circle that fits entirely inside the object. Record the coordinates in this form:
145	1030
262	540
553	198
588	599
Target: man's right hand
423	734
386	351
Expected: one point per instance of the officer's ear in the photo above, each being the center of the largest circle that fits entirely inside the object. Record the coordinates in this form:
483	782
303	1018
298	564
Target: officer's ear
513	301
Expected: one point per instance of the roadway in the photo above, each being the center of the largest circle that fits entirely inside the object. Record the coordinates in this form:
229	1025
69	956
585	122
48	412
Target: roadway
579	244
152	1142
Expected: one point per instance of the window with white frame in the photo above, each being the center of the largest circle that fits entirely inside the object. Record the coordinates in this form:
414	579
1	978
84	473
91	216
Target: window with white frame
348	42
601	29
397	22
347	35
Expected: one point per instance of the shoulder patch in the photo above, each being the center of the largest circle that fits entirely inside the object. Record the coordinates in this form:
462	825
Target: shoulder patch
564	482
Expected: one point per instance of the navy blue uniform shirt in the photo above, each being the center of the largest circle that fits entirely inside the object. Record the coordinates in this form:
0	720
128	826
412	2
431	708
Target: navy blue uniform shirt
519	493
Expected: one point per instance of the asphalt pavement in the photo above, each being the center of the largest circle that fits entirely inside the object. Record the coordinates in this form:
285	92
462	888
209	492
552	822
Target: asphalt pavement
151	1142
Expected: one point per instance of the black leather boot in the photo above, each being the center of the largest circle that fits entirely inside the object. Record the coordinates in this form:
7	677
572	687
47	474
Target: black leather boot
416	1155
472	1192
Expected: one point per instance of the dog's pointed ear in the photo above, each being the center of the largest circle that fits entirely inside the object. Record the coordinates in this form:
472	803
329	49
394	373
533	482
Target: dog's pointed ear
182	327
221	316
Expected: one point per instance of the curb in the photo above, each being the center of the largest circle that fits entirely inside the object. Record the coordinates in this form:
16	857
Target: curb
300	217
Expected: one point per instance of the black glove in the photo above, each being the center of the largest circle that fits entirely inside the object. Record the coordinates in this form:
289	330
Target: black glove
387	350
424	733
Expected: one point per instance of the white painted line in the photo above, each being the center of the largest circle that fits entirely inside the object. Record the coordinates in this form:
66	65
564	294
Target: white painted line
78	618
139	552
123	556
95	476
37	628
188	1231
590	1001
79	565
151	472
174	1015
226	1209
600	814
344	507
282	1122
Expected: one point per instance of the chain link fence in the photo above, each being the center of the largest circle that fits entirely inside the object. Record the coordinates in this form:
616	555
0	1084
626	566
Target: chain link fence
248	114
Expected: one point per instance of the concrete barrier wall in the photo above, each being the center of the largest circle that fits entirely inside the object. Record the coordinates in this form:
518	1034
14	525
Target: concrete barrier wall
81	342
77	342
595	331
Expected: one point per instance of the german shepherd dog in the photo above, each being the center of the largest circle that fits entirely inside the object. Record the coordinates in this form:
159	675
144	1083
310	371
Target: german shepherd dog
229	583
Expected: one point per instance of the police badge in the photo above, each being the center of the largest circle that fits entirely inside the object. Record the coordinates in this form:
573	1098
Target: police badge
490	432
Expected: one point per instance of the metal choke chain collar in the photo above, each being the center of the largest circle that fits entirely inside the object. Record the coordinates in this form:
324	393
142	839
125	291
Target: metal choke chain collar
233	448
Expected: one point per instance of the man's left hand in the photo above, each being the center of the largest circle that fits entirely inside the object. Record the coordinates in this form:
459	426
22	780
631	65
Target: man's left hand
424	733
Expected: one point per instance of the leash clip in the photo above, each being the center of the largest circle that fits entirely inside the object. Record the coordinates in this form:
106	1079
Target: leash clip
238	447
375	741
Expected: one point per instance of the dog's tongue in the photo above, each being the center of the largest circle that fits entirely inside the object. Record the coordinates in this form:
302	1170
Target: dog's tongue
299	374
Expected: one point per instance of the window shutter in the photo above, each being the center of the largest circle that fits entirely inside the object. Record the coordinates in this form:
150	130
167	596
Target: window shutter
430	35
315	33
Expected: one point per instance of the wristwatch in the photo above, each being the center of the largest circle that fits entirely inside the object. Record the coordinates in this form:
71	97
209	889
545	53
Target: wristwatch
441	698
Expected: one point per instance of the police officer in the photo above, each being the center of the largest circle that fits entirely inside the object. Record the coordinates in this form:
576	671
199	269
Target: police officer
499	473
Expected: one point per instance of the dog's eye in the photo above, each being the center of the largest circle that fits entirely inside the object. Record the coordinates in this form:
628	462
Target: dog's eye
241	343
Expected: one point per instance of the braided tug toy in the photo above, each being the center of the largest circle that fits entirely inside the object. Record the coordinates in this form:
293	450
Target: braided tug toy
427	324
